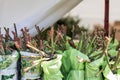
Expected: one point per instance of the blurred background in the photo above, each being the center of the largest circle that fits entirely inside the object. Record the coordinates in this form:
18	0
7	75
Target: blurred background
91	15
92	12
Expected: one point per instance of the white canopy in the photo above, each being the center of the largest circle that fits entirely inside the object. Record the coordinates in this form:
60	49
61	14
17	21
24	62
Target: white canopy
28	13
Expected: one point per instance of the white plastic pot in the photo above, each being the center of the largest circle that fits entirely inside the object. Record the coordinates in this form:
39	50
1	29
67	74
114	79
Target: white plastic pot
27	59
51	69
8	66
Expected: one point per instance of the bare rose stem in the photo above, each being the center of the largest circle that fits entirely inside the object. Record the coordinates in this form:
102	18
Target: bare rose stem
7	36
105	52
15	30
117	61
32	47
106	28
52	40
2	52
35	63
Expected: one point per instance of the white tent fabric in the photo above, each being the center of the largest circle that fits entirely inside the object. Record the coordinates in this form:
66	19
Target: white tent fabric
28	13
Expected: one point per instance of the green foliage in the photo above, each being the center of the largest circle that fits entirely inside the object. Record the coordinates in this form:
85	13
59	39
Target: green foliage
113	52
72	25
7	77
7	60
51	69
28	64
72	60
108	74
113	45
89	59
76	75
92	69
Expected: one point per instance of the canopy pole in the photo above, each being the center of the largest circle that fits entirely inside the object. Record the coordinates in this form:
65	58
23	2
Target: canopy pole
106	18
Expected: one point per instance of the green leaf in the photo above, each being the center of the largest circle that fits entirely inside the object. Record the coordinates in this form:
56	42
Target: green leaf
76	75
113	45
67	45
97	63
96	53
92	68
72	60
77	59
118	71
113	52
7	77
108	74
51	69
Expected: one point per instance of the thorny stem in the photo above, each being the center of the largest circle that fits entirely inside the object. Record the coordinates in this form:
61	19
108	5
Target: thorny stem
52	40
113	32
72	43
80	41
105	51
73	29
94	56
59	36
17	40
116	61
48	46
39	37
1	38
32	47
35	63
18	44
118	46
7	33
32	56
15	30
1	43
25	34
15	33
39	30
100	72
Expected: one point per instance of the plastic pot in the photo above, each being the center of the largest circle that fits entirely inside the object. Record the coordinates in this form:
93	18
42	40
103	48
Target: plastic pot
8	66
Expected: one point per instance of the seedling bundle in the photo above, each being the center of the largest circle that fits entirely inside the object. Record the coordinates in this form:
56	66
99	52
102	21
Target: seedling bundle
8	59
52	55
27	57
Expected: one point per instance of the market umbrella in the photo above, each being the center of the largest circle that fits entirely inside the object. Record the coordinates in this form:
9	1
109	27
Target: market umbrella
28	13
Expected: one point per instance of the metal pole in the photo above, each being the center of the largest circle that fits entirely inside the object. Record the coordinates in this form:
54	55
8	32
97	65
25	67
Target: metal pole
106	18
